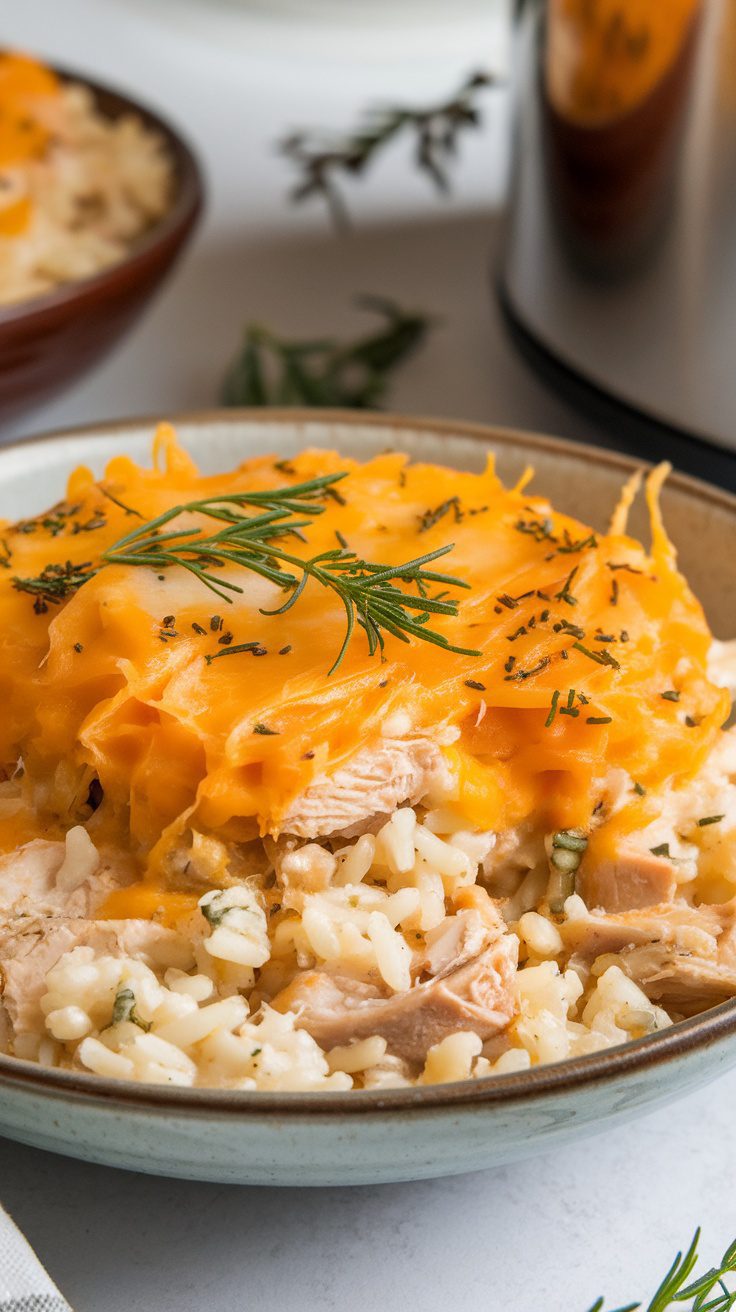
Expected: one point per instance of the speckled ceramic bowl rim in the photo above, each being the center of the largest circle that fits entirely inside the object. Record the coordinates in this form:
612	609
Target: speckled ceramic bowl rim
179	216
703	1031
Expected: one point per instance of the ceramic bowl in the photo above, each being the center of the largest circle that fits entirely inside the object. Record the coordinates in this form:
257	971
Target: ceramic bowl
352	1138
48	341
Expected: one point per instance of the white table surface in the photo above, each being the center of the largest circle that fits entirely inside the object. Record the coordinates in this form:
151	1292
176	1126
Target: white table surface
548	1235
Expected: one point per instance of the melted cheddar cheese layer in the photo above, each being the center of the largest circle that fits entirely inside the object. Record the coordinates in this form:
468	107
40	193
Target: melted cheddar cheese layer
593	655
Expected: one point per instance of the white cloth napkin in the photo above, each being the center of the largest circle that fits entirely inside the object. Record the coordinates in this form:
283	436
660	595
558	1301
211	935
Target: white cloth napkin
24	1285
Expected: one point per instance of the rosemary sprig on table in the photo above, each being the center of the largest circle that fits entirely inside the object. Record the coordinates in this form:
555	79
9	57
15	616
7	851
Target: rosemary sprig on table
273	370
706	1293
368	592
320	158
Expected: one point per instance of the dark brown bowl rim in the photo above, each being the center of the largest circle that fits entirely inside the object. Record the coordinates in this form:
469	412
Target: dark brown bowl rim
174	223
640	1056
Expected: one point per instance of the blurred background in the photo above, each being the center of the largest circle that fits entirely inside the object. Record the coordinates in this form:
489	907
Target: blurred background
579	254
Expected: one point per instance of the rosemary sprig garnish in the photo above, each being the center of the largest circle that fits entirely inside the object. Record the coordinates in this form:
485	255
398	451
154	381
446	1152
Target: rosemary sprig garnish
553	708
368	592
565	594
600	657
370	598
120	504
429	518
234	651
320	158
570	545
124	1009
53	522
55	582
707	1293
567	850
539	529
523	675
273	370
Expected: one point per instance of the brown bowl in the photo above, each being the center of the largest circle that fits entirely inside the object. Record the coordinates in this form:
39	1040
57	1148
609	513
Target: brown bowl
48	341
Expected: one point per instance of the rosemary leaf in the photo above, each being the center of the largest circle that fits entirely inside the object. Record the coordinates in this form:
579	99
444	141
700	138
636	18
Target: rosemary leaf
124	1009
706	1293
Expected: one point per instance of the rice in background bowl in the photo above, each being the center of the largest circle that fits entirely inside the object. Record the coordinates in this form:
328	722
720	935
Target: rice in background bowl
76	188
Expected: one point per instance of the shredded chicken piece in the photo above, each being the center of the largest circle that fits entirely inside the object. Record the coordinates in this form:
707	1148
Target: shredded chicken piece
473	990
634	879
371	784
53	879
30	947
682	956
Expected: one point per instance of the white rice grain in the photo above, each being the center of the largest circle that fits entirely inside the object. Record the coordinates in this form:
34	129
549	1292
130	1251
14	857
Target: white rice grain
188	1030
540	935
448	861
67	1023
353	1057
393	956
397	840
96	1057
81	859
354	863
452	1058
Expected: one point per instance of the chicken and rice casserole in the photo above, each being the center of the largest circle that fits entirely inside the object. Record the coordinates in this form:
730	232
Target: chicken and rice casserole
244	847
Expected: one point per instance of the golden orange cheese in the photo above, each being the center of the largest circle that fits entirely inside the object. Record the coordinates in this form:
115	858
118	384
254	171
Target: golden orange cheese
25	84
99	685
